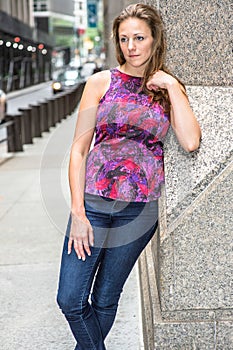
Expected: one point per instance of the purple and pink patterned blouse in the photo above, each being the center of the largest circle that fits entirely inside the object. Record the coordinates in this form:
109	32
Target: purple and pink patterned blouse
126	162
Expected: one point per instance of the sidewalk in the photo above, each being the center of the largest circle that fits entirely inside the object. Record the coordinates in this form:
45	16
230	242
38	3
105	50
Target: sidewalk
30	247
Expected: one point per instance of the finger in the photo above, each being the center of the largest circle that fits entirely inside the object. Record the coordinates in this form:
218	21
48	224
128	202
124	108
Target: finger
86	244
91	236
87	248
149	86
70	245
78	247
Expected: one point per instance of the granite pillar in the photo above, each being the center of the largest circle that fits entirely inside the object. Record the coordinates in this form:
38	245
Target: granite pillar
186	270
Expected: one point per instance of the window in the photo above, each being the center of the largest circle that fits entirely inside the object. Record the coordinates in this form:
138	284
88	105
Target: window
40	5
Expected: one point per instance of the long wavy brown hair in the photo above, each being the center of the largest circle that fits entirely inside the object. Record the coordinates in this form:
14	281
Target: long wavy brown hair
156	61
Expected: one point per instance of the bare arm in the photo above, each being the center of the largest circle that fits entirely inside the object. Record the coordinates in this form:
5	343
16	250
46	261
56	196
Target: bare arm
183	120
81	235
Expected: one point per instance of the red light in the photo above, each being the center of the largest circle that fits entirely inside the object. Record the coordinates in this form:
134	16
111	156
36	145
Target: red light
80	31
40	46
17	39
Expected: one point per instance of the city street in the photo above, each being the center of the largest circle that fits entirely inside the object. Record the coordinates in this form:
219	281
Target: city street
34	207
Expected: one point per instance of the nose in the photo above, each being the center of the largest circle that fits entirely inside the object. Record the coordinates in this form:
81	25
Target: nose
131	44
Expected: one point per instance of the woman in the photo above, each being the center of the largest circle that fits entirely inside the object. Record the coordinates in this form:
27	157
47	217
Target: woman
115	187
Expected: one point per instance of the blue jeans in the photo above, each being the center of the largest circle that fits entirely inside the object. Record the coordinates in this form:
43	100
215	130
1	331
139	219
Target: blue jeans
89	290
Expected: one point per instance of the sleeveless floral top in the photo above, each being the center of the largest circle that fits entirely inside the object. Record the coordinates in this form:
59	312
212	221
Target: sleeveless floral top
126	162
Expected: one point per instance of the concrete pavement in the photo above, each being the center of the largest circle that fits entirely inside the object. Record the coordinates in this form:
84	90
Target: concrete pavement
34	205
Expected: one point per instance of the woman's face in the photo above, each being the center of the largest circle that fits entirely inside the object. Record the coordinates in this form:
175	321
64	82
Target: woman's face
135	41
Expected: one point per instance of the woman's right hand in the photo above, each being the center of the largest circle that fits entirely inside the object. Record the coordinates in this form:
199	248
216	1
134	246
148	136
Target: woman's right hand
81	236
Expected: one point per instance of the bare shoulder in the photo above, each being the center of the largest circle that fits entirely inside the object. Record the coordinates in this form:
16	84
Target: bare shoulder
99	82
95	88
100	76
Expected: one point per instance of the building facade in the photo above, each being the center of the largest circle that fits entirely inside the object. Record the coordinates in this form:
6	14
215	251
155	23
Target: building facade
74	26
57	20
20	9
68	24
53	17
89	28
25	53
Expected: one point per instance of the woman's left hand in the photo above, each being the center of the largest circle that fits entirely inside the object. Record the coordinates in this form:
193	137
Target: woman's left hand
161	80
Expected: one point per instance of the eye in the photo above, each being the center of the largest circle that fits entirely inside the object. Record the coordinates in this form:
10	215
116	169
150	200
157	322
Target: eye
139	38
123	40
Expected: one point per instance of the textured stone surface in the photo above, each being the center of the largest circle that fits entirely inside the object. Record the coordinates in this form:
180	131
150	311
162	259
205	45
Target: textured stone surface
184	336
225	335
181	329
199	40
195	250
187	175
186	315
197	271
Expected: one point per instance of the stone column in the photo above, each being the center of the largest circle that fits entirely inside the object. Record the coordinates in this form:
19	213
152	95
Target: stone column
187	269
26	11
20	13
29	5
5	6
14	9
111	9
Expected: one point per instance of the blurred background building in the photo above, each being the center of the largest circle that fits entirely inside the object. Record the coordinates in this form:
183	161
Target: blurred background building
25	53
76	27
20	9
37	37
57	20
89	31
